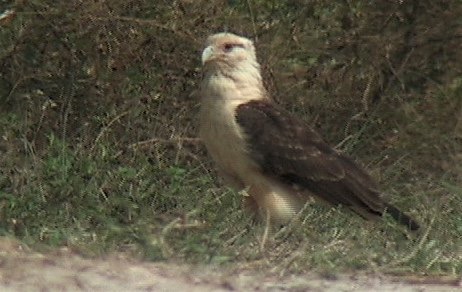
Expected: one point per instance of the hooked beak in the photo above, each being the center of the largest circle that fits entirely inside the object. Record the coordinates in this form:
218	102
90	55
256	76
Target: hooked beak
207	54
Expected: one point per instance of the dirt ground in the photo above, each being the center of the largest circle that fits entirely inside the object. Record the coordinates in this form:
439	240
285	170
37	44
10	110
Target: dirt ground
23	270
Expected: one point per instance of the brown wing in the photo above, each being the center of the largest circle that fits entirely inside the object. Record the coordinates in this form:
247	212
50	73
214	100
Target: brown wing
287	148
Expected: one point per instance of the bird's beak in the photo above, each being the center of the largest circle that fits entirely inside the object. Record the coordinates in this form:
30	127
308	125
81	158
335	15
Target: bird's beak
207	54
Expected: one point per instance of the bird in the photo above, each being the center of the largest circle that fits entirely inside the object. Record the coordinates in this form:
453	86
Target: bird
277	158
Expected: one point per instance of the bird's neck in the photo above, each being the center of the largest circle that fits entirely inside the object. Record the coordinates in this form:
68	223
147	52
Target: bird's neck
236	85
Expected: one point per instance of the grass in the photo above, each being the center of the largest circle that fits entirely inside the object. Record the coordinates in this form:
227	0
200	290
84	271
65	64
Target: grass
99	204
97	148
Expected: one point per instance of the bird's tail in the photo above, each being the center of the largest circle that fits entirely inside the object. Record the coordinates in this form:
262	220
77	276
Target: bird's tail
402	218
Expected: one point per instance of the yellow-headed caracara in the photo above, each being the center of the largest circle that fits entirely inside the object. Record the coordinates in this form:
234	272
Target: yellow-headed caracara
276	157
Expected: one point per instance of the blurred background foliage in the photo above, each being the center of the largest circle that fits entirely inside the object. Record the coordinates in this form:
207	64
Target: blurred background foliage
98	105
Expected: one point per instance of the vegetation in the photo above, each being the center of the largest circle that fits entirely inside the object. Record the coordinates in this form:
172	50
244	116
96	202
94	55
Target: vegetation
98	101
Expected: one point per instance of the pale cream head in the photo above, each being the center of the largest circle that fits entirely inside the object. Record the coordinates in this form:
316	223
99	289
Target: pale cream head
231	70
228	50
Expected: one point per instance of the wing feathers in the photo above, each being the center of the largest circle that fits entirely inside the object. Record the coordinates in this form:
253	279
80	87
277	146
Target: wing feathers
287	148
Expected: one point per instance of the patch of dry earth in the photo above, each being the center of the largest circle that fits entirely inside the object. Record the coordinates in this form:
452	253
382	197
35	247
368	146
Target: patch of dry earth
23	270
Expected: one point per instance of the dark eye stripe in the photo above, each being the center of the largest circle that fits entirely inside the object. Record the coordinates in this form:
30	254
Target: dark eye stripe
229	46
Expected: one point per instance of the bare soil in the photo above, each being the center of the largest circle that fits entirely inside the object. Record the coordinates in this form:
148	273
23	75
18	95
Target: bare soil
24	270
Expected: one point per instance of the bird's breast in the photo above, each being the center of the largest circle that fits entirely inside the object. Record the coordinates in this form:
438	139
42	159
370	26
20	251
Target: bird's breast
223	137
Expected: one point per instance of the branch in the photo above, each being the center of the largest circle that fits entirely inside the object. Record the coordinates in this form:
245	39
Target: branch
189	140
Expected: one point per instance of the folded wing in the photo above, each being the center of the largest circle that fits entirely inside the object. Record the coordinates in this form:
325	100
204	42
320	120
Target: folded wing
287	148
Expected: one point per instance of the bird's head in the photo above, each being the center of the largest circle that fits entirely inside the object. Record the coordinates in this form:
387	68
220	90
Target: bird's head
229	62
228	51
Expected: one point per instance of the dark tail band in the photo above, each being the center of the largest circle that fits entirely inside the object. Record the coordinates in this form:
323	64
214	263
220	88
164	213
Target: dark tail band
402	218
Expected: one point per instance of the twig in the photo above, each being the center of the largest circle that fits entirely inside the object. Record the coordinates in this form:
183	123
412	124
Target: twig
182	226
366	92
340	144
266	232
283	232
165	247
150	22
253	20
396	73
419	246
101	133
190	140
235	237
166	250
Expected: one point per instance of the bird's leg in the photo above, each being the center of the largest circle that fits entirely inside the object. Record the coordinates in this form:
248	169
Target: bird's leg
249	203
266	232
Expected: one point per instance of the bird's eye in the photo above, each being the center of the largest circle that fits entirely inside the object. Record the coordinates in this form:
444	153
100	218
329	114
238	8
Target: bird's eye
228	47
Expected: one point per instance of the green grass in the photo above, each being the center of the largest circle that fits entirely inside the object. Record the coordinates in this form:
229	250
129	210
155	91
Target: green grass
99	204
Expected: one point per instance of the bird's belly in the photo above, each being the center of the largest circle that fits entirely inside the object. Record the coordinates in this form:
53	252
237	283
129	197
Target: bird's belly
226	146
